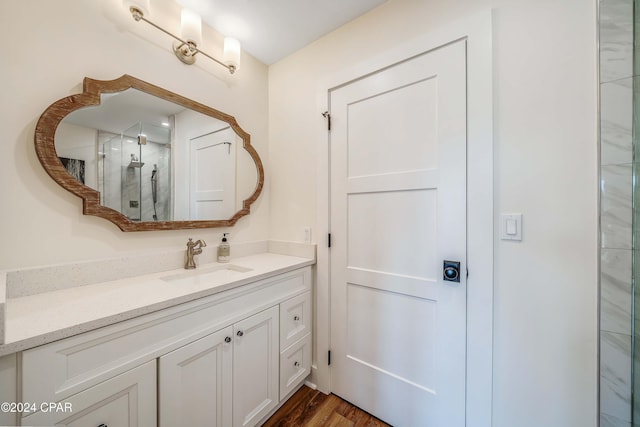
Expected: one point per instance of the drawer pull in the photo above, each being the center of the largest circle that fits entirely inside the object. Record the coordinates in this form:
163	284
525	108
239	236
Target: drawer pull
240	333
103	425
296	318
296	364
227	340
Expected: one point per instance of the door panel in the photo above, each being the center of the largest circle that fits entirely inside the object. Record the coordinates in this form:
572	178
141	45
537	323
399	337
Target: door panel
398	209
392	232
195	383
379	316
255	367
373	145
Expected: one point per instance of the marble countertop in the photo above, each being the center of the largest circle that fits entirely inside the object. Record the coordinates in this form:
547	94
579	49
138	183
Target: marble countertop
45	317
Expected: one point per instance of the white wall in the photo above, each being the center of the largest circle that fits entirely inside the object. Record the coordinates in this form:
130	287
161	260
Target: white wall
545	290
50	47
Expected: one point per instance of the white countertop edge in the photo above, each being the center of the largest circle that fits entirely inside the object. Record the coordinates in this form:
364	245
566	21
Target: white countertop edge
26	341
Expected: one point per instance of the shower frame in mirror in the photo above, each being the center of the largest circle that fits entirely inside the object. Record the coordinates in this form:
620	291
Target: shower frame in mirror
92	89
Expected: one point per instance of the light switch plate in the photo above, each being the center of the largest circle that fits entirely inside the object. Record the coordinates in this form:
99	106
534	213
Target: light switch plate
511	227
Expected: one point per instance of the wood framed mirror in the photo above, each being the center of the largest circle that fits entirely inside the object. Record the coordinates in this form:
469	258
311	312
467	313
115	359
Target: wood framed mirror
146	158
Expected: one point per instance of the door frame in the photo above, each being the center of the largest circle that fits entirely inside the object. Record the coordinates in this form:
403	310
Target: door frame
477	30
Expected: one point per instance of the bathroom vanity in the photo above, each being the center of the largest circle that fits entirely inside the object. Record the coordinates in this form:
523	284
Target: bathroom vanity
221	345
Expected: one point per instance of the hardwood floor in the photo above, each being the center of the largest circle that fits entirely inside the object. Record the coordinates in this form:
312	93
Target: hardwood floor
311	408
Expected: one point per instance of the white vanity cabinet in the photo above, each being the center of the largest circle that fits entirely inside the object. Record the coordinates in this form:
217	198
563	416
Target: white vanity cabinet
218	361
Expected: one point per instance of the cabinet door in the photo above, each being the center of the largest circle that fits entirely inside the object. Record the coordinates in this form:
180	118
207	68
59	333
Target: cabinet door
255	367
127	400
195	383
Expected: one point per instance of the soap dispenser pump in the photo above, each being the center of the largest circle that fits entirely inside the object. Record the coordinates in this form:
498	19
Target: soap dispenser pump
224	249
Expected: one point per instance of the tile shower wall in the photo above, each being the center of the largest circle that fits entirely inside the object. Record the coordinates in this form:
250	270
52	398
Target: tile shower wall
137	187
616	186
120	184
158	156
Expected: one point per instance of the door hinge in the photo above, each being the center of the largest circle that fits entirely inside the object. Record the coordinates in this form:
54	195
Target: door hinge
327	116
329	357
329	240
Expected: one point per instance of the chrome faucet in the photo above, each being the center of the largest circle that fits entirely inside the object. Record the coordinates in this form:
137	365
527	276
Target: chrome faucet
193	248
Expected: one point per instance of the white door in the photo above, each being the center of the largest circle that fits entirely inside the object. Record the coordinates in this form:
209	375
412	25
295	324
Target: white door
398	210
212	175
195	384
255	367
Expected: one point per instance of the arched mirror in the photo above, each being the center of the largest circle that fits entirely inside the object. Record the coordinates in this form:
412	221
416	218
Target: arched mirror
148	159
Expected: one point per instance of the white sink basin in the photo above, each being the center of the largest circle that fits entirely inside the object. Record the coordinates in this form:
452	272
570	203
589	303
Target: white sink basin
215	272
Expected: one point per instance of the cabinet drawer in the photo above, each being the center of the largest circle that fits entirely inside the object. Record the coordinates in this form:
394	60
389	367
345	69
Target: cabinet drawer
295	365
295	319
127	400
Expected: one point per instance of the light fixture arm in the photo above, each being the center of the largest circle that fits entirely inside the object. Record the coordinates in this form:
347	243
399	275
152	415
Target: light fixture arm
185	50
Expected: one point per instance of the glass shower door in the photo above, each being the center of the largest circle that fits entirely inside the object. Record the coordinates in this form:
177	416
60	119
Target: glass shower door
134	172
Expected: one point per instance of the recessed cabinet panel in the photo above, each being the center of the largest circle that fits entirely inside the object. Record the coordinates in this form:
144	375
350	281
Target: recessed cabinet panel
295	319
195	383
295	365
255	367
127	400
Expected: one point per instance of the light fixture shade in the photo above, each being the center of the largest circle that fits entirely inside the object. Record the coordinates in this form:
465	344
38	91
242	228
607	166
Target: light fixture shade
231	56
141	5
191	27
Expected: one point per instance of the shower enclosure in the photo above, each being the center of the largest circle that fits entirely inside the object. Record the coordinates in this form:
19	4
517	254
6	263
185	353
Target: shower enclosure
635	309
134	175
619	214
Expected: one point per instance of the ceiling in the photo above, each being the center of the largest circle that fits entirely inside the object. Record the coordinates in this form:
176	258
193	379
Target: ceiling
272	29
132	112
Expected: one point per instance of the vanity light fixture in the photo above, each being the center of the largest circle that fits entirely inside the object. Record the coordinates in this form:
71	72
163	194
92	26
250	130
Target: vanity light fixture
186	47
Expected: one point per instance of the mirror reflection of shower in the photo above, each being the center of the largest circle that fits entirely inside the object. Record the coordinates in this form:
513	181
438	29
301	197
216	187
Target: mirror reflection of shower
129	172
154	190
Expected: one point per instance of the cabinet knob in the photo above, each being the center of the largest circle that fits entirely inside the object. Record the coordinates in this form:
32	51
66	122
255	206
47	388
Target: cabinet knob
296	364
240	333
103	425
296	318
227	340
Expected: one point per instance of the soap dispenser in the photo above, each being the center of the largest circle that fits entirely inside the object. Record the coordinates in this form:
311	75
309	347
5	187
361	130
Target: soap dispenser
224	249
